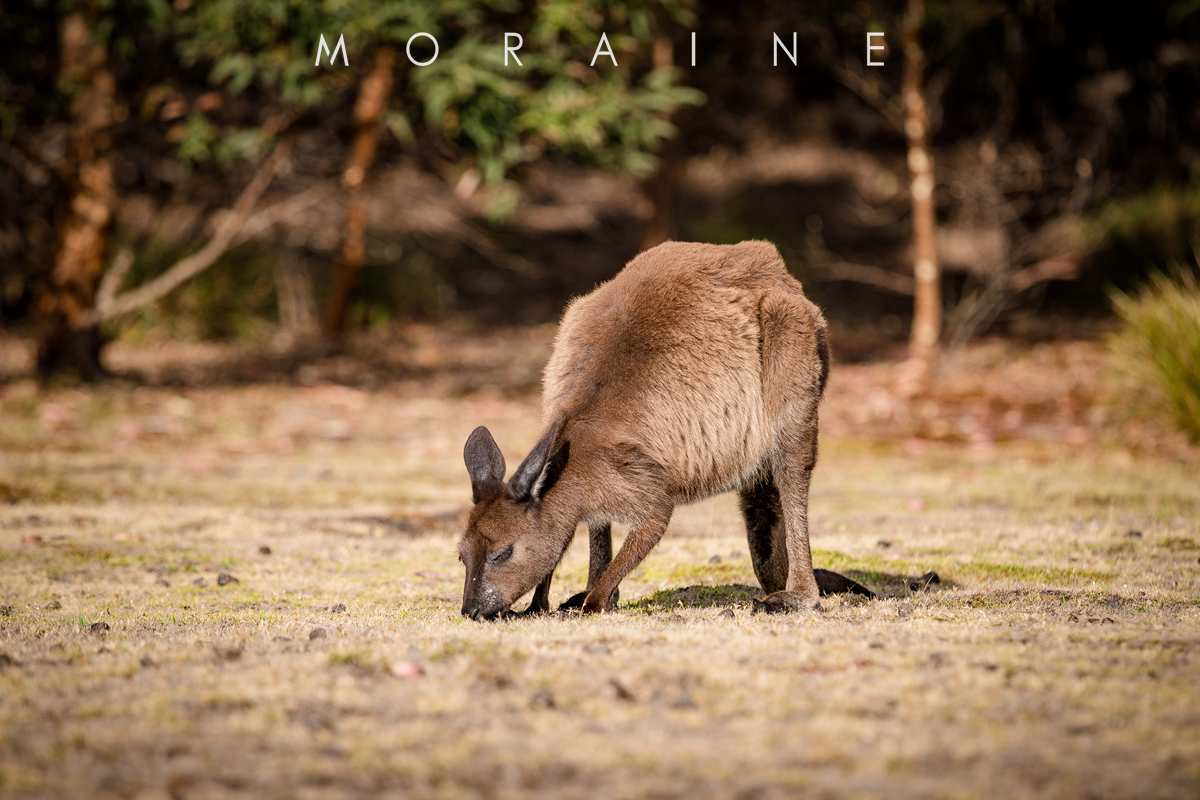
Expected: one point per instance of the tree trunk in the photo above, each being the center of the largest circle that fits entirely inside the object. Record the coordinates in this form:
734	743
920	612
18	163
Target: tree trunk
293	289
660	188
85	229
368	108
927	305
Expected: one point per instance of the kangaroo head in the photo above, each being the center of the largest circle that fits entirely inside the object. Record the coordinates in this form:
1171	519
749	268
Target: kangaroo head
512	540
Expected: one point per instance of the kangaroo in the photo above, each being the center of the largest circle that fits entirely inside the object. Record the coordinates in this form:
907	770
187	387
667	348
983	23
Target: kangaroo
697	370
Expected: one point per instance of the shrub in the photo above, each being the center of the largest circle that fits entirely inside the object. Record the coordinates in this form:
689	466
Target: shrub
1160	343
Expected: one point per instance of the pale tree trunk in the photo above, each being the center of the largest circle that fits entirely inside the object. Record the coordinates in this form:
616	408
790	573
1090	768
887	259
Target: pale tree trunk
368	110
64	344
293	290
927	306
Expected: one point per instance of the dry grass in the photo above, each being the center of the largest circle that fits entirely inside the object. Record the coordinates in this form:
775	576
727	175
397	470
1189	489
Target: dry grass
1058	657
1160	343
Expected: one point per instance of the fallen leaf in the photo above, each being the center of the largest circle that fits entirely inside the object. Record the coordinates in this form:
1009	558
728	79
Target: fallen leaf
405	670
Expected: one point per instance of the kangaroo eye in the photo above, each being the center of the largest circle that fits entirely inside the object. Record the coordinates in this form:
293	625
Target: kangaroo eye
501	555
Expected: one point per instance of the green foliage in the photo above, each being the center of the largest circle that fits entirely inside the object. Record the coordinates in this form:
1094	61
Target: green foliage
196	145
552	103
467	101
1160	343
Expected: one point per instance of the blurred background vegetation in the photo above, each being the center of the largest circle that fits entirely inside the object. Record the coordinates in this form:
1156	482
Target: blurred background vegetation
309	203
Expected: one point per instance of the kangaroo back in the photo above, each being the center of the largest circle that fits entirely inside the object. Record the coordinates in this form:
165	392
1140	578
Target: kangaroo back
668	357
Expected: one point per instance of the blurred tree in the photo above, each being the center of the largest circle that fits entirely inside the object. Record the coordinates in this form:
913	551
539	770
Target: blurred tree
372	100
1042	114
474	112
927	272
483	111
1035	107
83	231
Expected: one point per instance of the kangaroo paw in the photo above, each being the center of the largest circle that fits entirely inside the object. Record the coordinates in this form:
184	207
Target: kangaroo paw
595	603
785	603
576	601
532	611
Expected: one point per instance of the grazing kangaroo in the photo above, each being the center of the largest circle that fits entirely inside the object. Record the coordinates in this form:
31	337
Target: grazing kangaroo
696	370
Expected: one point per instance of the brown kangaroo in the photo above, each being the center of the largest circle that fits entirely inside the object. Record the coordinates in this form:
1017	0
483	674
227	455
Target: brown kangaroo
696	370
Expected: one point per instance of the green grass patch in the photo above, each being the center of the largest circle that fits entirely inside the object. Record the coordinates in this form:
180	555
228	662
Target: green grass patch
869	567
697	597
1161	343
710	573
1033	574
352	658
1178	543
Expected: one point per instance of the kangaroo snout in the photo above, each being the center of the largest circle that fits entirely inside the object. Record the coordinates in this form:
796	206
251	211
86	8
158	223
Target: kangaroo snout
481	612
483	604
473	612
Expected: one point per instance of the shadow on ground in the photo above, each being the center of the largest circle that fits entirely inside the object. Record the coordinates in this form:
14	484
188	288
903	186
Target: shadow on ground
734	595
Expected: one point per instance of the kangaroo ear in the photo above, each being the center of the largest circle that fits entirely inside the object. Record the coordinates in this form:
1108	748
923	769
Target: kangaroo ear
528	475
485	462
552	472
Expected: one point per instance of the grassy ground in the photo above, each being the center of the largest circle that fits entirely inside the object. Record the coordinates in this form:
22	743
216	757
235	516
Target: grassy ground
1058	657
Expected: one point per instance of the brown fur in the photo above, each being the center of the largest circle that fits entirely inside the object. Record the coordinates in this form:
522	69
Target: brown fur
698	369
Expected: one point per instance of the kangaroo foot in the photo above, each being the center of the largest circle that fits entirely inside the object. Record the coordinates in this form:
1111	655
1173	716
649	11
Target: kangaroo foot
574	601
785	603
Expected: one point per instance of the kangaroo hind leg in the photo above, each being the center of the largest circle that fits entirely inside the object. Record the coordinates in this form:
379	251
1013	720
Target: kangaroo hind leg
795	359
765	532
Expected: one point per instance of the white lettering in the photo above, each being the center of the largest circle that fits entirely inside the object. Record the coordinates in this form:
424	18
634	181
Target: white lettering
408	49
513	50
871	47
693	48
322	47
793	54
601	52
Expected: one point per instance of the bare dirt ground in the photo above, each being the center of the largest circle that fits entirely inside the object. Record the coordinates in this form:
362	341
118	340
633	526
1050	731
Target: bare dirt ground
213	589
